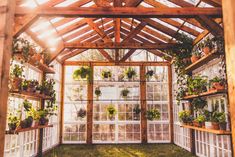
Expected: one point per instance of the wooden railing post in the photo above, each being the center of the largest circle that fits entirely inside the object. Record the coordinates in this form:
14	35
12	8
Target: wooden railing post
171	120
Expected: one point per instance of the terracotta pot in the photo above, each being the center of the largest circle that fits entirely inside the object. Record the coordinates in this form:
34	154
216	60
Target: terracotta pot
31	51
12	126
196	124
36	57
215	126
36	123
194	58
31	89
223	126
16	83
218	86
206	50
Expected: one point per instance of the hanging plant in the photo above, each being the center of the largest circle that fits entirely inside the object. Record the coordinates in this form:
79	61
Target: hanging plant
111	111
199	104
124	93
98	92
149	74
27	105
83	72
136	111
81	113
16	77
106	74
153	114
206	46
130	73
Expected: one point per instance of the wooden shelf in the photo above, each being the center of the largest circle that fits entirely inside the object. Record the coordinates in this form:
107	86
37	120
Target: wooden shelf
35	96
202	61
211	92
36	64
28	129
217	132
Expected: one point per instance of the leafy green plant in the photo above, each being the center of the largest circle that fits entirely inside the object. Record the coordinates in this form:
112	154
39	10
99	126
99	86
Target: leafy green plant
130	73
197	85
206	43
27	105
124	93
137	109
24	85
13	121
195	52
98	92
222	117
149	73
111	111
199	103
200	119
185	116
216	79
83	72
32	84
17	71
106	74
47	57
153	114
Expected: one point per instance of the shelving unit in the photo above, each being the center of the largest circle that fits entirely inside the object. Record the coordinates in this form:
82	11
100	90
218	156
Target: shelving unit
208	93
30	95
28	129
202	61
217	132
37	64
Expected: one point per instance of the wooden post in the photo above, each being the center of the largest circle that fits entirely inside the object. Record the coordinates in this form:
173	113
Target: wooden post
170	104
229	32
90	107
143	104
6	31
62	104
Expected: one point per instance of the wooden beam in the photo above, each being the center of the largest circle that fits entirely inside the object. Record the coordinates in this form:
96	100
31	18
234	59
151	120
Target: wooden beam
106	55
229	32
6	27
62	104
135	31
72	54
120	12
132	3
210	25
170	107
215	3
111	45
101	33
127	55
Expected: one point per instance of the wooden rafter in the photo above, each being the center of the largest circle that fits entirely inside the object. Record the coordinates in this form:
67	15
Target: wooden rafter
119	12
215	3
127	55
106	55
132	3
117	28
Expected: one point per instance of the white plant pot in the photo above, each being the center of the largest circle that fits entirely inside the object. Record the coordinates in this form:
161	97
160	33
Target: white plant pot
208	125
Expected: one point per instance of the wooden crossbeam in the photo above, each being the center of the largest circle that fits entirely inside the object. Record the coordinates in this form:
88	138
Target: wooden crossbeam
215	3
113	45
121	12
96	28
132	3
72	54
106	55
127	55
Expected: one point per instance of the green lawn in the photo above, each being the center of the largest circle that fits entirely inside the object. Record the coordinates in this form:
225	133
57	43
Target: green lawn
124	150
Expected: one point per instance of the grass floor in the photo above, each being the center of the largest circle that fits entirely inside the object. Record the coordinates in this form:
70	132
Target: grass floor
124	150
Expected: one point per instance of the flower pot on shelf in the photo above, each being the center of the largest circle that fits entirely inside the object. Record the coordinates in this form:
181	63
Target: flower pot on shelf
194	58
36	57
215	125
218	86
16	83
223	126
206	50
31	89
43	121
12	126
208	125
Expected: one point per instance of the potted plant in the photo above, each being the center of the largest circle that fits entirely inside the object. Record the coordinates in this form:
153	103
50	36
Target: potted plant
24	85
111	112
196	85
124	93
206	46
121	77
130	73
13	121
27	122
196	55
136	111
47	87
106	74
81	113
83	72
199	121
222	121
217	83
38	89
215	120
199	103
16	75
153	114
27	105
149	74
185	117
42	117
32	84
98	93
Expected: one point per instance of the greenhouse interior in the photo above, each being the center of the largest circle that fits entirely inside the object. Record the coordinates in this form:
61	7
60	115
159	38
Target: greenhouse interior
117	78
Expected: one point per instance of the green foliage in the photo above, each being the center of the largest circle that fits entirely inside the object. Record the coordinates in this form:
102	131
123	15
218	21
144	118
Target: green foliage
98	92
130	73
185	116
149	74
111	110
106	74
196	52
206	43
222	117
27	105
17	71
13	118
137	109
83	72
199	103
47	57
200	119
125	92
216	79
153	114
197	85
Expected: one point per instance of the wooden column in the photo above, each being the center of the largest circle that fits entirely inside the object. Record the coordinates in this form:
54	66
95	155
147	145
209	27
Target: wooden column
90	107
229	32
143	104
6	30
62	104
170	104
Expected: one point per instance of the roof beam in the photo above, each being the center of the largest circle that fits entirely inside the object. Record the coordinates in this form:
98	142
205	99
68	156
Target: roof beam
112	45
106	55
120	12
127	55
215	3
132	3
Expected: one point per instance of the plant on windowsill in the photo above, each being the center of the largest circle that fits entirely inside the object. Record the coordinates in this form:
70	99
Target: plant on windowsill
185	117
124	93
217	83
197	85
199	121
136	111
13	121
106	74
27	122
98	93
81	113
16	77
83	73
111	111
130	73
24	85
212	121
149	74
153	114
